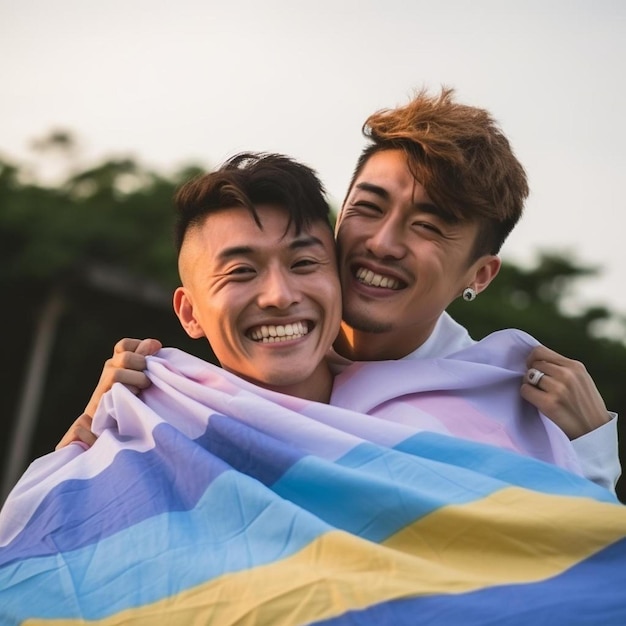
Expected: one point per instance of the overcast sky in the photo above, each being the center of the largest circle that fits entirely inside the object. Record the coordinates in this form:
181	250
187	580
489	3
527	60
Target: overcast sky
189	80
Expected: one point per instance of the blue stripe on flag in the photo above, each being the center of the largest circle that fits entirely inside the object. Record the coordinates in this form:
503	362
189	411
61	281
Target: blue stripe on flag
584	595
233	528
509	467
135	487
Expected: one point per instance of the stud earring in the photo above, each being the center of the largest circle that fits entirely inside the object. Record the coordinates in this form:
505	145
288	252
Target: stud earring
469	294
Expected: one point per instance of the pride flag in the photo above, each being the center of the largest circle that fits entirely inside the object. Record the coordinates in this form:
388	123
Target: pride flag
210	501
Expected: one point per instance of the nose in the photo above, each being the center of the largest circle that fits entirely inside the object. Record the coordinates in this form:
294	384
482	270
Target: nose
279	289
387	240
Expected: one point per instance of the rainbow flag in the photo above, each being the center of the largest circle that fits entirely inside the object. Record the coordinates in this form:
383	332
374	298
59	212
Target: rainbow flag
210	501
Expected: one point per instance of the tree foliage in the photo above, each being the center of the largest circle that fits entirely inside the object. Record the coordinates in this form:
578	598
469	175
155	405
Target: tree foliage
116	214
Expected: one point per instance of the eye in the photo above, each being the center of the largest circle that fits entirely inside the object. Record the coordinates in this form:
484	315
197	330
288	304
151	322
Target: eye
363	208
429	226
367	207
241	271
305	264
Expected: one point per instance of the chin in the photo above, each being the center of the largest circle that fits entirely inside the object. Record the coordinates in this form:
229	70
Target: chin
367	324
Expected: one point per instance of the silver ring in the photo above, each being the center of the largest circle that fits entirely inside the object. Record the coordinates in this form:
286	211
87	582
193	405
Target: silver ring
534	376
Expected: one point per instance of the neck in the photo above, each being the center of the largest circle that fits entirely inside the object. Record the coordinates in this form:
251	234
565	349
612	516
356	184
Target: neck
316	388
365	346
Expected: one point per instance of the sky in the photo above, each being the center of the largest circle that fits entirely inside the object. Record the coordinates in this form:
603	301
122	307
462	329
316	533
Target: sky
190	81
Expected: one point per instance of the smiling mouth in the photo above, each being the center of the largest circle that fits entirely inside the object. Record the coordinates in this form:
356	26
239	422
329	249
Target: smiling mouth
273	333
372	279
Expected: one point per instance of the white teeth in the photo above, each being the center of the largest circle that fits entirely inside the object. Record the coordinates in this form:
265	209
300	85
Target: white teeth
274	333
367	277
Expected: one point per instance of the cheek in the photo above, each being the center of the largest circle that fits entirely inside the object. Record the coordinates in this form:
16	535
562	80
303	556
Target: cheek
228	350
333	299
432	258
345	233
218	327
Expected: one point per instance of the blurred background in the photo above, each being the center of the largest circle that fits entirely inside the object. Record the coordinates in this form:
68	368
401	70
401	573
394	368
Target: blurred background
107	107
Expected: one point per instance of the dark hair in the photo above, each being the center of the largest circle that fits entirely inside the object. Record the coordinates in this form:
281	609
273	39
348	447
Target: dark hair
462	159
248	180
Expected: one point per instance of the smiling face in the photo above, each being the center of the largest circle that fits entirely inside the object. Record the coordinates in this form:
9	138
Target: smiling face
402	260
267	300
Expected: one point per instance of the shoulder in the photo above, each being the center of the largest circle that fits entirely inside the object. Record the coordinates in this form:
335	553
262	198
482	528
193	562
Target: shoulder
508	348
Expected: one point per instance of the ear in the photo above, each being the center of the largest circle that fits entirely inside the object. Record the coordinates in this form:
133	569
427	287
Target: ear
486	270
183	307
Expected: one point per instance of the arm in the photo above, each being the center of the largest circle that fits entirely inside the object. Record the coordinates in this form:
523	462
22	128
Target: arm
126	366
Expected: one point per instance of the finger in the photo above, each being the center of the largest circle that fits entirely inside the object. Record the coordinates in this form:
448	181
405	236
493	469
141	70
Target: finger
565	371
543	354
126	345
148	347
135	381
85	435
542	400
67	438
547	395
129	361
541	374
543	387
531	394
82	422
569	375
533	376
134	359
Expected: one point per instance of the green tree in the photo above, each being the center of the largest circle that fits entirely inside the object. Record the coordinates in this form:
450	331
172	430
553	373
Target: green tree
84	263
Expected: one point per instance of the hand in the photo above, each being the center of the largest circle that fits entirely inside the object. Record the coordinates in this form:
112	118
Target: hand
566	393
126	366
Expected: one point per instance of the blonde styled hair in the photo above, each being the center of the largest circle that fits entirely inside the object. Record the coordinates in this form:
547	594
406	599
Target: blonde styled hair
459	154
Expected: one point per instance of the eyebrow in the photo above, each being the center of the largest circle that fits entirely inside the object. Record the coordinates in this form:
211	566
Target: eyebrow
375	189
426	207
296	244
